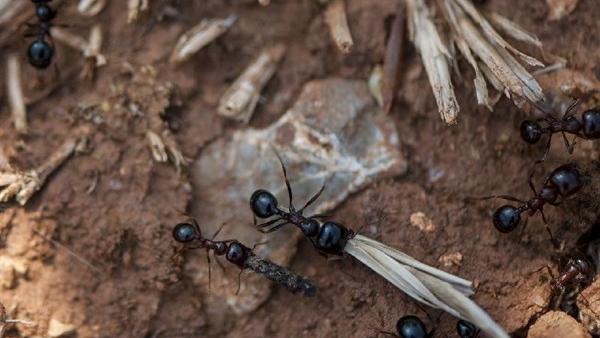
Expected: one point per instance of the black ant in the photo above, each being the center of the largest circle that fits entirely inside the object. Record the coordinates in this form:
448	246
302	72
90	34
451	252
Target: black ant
587	128
563	182
466	329
410	327
413	327
235	252
40	51
328	237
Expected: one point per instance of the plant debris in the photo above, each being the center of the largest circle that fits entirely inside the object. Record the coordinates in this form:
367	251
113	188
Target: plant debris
199	36
239	101
335	17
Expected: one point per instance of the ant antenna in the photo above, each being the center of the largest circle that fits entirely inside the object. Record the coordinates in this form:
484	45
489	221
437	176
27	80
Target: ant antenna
68	251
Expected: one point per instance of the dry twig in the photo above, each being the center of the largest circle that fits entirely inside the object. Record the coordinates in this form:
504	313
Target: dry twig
393	59
6	322
134	8
335	16
239	101
89	48
15	94
90	7
9	8
199	36
495	61
21	185
435	57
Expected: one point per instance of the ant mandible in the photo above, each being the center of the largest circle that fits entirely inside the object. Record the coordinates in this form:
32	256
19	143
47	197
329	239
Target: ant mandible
587	128
563	182
40	51
235	252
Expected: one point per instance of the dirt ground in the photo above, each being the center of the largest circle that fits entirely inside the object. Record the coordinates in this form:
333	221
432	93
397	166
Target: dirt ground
115	207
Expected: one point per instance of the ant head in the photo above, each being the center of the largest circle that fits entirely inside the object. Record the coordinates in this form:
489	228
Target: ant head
263	204
507	218
40	54
237	254
531	131
466	329
186	232
411	327
591	123
44	12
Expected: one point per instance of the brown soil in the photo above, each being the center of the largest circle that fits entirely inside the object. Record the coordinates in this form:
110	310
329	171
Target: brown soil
122	226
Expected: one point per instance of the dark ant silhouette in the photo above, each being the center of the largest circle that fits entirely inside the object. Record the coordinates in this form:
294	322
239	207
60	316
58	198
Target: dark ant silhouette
587	128
563	182
235	252
466	329
410	327
41	51
328	238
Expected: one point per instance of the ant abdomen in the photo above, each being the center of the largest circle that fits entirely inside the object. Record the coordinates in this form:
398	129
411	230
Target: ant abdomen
332	238
566	179
591	123
507	218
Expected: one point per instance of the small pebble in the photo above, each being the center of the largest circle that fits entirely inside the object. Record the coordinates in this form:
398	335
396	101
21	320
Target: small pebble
58	329
421	221
451	259
557	324
588	303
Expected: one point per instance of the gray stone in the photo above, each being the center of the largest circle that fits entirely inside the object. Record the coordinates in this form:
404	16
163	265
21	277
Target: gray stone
334	134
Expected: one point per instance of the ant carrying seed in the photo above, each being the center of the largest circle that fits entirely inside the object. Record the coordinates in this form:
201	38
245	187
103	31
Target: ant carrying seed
235	252
563	182
587	128
328	237
41	50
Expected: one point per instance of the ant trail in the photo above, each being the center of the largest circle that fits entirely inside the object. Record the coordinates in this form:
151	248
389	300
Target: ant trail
69	251
235	252
424	283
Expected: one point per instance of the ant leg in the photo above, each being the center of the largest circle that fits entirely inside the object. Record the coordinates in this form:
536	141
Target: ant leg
265	224
524	227
567	144
275	228
314	198
570	110
552	239
217	232
287	181
388	333
220	264
259	243
320	216
197	227
239	283
531	184
546	152
209	272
